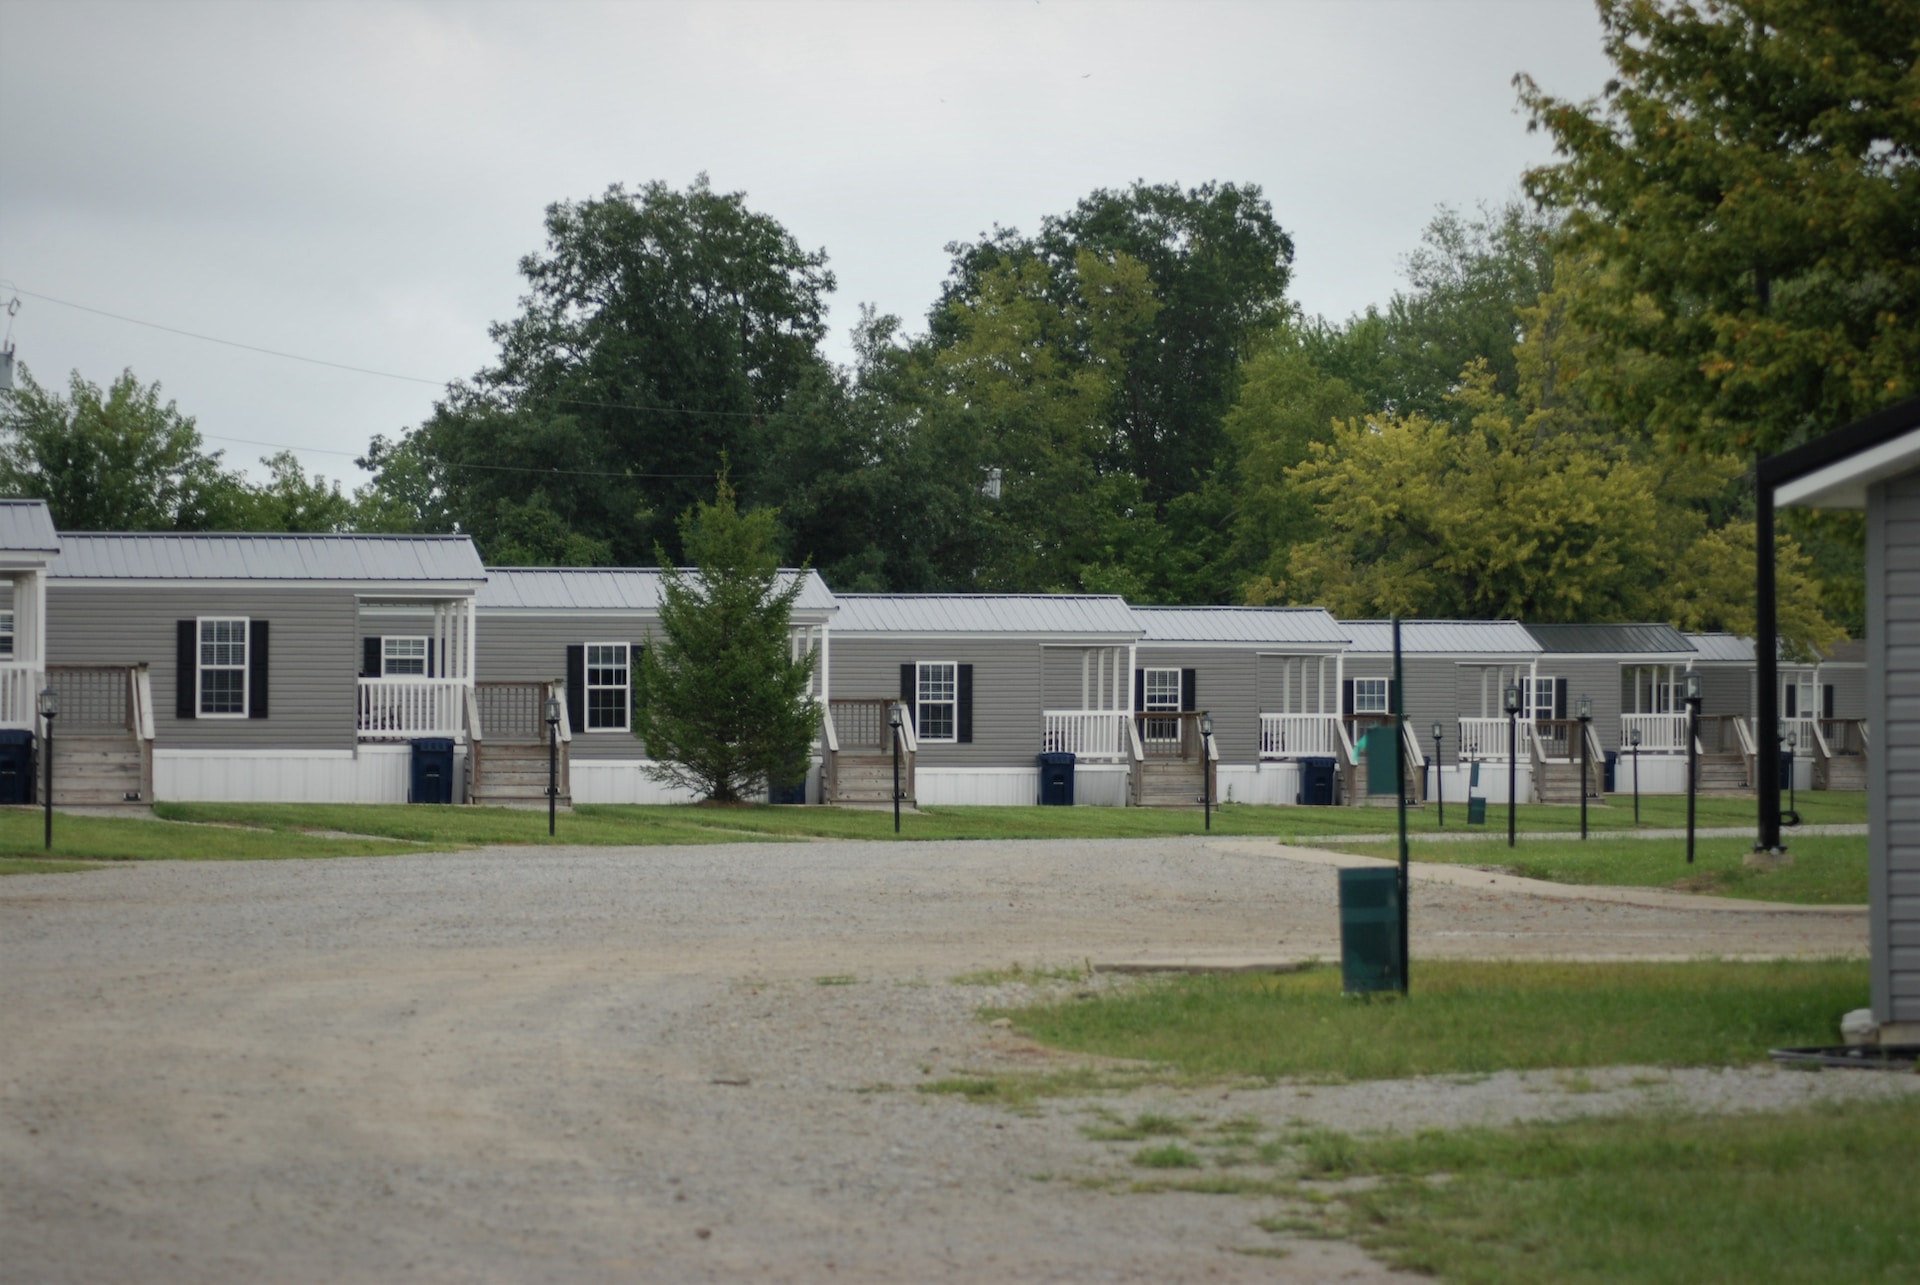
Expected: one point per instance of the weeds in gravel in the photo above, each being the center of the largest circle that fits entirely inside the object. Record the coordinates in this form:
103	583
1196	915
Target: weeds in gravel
1168	1156
1023	1089
837	979
1462	1017
1019	975
1148	1124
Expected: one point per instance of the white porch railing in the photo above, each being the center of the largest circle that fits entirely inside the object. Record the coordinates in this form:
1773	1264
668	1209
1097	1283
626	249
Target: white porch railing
1285	736
398	709
1486	738
1089	733
1806	734
20	686
1659	733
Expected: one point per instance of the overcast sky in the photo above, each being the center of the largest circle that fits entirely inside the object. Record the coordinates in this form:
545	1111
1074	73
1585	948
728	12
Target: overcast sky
356	183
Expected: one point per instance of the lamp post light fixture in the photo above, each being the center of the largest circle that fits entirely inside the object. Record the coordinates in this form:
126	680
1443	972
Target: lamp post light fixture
1583	710
896	717
1439	782
1633	739
1793	807
553	761
1691	687
49	709
1513	753
1206	767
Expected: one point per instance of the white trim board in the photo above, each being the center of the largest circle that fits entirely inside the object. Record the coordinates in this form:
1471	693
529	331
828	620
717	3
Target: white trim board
1843	484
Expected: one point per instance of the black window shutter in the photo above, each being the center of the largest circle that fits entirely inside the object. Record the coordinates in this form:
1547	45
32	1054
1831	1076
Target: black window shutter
1139	690
1393	696
1793	699
1346	697
434	646
1560	698
963	699
633	680
371	658
1826	701
186	676
910	690
256	669
1189	690
577	686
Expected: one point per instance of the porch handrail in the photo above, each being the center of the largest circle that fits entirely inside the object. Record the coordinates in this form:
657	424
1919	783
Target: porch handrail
472	702
1133	741
1089	733
1347	747
1299	735
1416	757
1659	733
566	720
909	739
403	708
1596	784
1486	738
827	735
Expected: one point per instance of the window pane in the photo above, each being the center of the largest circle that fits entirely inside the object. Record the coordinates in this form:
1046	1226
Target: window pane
1369	695
937	682
404	656
223	691
936	721
1162	688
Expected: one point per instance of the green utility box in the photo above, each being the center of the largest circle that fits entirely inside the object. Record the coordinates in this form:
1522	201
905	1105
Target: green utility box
1383	770
1370	930
1476	810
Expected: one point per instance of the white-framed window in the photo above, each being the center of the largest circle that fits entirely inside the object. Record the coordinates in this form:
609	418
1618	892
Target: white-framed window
1370	696
609	686
937	700
1536	699
6	635
223	666
402	657
1160	693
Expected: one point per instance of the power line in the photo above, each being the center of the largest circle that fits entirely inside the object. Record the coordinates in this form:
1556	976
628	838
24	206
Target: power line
366	370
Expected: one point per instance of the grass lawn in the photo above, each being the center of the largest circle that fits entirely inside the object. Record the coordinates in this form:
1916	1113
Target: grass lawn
1461	1017
1826	870
83	842
1816	1196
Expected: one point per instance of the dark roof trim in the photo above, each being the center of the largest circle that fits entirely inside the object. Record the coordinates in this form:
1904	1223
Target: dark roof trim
1861	435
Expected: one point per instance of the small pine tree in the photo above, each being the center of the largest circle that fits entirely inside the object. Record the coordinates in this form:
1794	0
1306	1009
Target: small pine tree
721	700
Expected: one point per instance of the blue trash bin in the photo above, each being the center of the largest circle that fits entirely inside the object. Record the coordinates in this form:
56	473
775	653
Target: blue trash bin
1056	779
16	766
1316	783
432	777
795	793
1786	768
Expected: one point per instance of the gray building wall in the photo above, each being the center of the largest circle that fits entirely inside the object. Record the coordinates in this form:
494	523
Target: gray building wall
1849	691
1893	769
1226	685
312	652
1006	690
1438	689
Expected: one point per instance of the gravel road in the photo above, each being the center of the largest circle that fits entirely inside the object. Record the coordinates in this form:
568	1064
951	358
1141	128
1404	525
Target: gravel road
689	1064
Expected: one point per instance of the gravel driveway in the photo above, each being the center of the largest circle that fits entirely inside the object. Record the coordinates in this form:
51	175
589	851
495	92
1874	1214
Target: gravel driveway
623	1064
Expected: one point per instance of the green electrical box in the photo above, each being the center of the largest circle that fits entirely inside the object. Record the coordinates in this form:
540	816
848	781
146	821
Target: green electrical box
1370	930
1383	774
1477	810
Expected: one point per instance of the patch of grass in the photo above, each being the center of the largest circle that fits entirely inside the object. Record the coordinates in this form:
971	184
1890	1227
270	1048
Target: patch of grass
458	826
1462	1017
1819	1195
1023	1089
837	979
1170	1155
1019	975
1217	1184
1146	1125
79	839
1826	869
39	866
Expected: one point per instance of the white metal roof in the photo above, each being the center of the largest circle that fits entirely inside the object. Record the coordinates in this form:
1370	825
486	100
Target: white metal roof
439	559
1843	484
1728	648
607	589
1443	637
1294	625
1066	614
27	527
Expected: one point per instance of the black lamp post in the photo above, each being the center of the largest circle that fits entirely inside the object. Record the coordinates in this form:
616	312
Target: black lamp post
1206	766
49	707
1691	686
1633	739
553	761
894	719
1583	710
1513	754
1793	807
1439	782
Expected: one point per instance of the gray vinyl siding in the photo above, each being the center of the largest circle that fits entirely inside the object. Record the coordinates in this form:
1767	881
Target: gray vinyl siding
1726	689
1893	769
533	649
1226	685
1849	691
1434	689
313	656
1006	691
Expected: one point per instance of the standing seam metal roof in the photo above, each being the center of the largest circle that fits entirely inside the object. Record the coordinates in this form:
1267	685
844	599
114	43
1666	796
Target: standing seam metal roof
26	526
397	558
1240	625
1722	648
608	589
1443	637
990	613
1600	640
